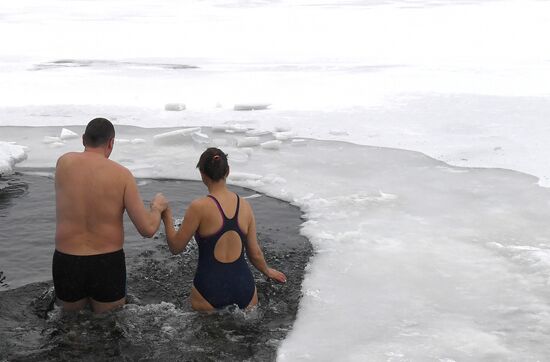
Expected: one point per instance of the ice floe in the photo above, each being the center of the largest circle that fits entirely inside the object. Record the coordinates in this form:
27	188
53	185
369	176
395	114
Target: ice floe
177	136
174	107
200	137
257	133
251	106
248	142
271	145
67	134
10	154
51	139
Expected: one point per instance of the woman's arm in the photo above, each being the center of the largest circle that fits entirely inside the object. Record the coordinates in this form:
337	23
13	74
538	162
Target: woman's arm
177	240
256	256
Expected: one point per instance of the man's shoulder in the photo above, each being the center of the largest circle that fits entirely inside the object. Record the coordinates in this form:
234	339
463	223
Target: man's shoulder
117	166
119	171
69	156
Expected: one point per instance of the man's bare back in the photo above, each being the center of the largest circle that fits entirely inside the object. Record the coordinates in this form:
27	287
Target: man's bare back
92	193
90	204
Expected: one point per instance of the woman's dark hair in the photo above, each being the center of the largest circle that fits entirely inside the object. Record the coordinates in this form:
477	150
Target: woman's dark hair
213	163
98	132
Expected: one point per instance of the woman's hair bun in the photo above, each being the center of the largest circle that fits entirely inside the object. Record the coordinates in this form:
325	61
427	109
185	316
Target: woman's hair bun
213	163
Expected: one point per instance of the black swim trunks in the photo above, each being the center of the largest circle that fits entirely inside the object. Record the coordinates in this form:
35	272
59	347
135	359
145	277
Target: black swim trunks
101	277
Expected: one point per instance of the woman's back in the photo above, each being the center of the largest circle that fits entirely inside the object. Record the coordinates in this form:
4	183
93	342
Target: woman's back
223	276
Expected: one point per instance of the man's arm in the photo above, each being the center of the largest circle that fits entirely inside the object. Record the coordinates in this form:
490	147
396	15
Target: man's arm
177	241
146	221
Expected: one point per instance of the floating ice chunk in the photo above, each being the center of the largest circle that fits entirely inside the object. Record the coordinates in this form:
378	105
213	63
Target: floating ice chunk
257	133
298	142
176	136
10	154
248	142
524	247
283	136
200	137
67	134
271	145
57	144
253	196
385	196
281	128
251	106
122	141
220	129
243	176
137	141
237	128
50	139
174	107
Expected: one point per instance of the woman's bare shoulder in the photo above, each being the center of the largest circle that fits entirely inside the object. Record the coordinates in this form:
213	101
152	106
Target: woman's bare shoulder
200	202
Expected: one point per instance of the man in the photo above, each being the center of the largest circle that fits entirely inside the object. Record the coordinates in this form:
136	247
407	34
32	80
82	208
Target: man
92	193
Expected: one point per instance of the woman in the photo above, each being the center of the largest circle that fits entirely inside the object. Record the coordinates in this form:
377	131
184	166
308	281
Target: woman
224	226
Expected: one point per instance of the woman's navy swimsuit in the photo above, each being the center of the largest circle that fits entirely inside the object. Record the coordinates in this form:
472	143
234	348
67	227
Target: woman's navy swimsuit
223	284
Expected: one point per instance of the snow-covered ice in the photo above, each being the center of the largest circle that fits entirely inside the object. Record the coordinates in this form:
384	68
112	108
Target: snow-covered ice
10	154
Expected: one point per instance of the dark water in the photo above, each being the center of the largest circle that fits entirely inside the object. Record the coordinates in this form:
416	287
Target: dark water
157	323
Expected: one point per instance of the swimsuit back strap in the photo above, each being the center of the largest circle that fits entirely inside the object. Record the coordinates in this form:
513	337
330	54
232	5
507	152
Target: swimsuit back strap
219	206
221	209
237	209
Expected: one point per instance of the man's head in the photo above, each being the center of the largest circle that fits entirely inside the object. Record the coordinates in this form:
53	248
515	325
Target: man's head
100	133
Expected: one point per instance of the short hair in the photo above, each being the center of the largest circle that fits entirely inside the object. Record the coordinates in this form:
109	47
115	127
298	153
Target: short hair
98	132
213	163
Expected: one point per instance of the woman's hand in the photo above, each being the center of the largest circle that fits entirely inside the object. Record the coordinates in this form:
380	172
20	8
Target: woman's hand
276	275
167	215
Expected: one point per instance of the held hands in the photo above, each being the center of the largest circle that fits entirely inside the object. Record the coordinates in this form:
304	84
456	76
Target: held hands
276	275
159	203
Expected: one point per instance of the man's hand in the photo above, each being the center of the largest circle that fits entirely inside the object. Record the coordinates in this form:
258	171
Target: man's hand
159	202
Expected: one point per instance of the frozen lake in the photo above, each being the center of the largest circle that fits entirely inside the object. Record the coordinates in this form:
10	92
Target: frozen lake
413	134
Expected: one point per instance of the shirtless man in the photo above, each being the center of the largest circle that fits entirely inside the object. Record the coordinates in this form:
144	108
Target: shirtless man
92	193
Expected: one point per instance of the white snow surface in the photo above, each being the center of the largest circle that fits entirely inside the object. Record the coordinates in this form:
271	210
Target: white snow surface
416	258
